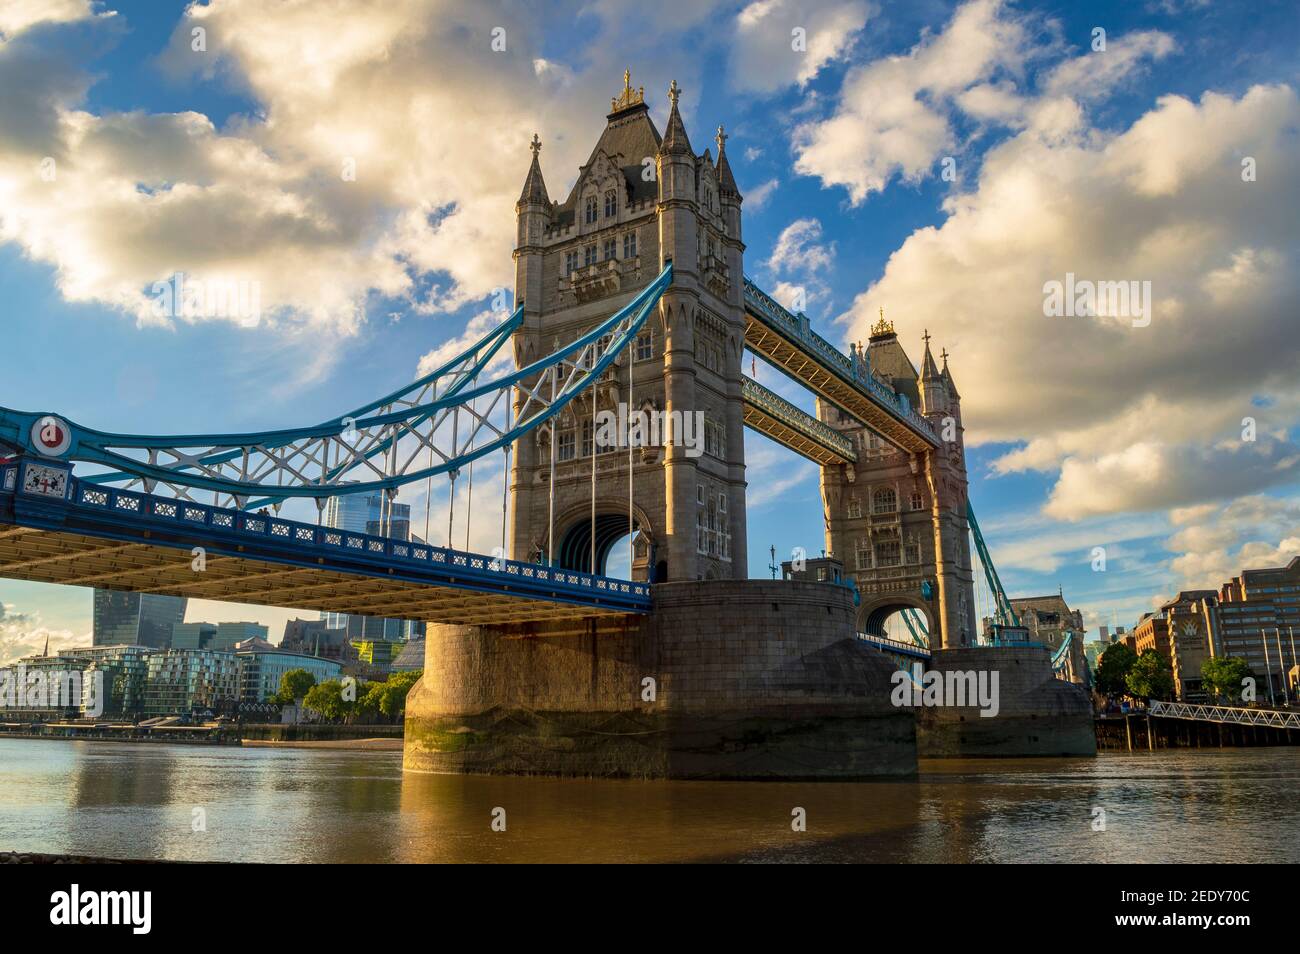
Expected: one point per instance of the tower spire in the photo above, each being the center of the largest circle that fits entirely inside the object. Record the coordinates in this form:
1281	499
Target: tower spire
675	140
534	191
929	372
726	181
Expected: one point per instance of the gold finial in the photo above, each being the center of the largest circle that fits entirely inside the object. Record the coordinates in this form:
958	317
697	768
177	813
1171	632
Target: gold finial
882	327
629	96
535	145
673	92
721	139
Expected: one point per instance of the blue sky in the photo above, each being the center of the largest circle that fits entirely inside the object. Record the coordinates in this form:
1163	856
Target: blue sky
1122	163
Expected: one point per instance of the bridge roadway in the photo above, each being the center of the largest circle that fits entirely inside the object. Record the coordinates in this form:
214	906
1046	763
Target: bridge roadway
787	342
57	529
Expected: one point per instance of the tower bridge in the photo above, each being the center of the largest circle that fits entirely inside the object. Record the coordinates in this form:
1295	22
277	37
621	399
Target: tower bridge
632	298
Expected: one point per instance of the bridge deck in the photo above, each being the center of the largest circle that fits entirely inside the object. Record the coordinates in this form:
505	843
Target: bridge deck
117	539
786	342
773	416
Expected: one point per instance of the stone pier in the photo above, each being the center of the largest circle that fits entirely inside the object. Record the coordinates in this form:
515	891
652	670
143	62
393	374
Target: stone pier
1038	714
735	679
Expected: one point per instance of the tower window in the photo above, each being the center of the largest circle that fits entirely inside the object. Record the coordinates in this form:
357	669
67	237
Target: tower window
864	554
629	245
884	501
567	446
589	255
589	215
917	501
645	348
855	508
611	204
570	261
611	249
887	553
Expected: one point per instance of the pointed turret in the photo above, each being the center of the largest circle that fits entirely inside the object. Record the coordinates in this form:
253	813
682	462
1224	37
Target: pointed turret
675	141
726	181
929	370
947	379
534	192
933	398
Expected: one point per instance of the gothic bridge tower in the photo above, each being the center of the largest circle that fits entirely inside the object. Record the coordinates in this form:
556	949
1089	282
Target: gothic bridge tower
641	200
897	520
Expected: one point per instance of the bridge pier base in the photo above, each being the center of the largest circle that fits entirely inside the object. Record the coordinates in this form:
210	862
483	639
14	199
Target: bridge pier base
742	679
1037	714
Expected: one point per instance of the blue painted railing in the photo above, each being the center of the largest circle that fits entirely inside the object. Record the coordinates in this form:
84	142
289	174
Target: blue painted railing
113	511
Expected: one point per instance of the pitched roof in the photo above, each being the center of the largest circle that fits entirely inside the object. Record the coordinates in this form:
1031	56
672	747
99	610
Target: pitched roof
890	361
629	138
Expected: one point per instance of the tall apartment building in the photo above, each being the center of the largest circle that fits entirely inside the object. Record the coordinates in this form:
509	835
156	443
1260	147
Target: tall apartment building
179	680
1259	621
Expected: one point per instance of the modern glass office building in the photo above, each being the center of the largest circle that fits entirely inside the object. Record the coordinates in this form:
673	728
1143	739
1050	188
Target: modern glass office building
135	619
366	513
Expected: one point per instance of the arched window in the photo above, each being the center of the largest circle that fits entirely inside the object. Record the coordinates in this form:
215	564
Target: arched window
589	216
611	204
884	501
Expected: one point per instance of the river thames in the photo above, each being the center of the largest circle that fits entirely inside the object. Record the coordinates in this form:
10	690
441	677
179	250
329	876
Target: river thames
313	805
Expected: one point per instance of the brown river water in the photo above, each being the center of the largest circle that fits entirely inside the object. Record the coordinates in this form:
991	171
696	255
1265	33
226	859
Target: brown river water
318	805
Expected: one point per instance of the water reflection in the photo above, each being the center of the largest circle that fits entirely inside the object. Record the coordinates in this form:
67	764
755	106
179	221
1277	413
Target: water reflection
311	805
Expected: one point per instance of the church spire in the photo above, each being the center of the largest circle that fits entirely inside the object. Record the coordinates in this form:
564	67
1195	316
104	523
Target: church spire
534	192
675	141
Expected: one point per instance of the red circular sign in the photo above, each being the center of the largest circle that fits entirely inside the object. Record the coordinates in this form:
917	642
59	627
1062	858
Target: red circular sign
51	436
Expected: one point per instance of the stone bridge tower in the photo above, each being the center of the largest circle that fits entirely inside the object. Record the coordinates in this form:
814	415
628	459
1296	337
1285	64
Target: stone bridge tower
898	520
640	201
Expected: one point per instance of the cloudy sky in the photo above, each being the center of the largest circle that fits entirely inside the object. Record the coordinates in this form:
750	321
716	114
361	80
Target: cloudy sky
360	160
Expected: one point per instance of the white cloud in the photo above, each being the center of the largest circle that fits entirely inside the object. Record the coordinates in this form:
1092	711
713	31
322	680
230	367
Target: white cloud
765	53
756	197
1215	543
264	199
19	15
799	248
1135	417
892	115
25	634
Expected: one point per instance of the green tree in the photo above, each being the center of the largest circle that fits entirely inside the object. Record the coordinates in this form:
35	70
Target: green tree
1113	668
294	684
1150	677
1222	677
326	698
392	702
368	700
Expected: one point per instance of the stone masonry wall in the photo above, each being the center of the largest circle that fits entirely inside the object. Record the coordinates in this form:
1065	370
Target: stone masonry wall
752	679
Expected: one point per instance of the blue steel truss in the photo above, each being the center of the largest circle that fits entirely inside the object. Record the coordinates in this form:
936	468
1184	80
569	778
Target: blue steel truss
446	416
